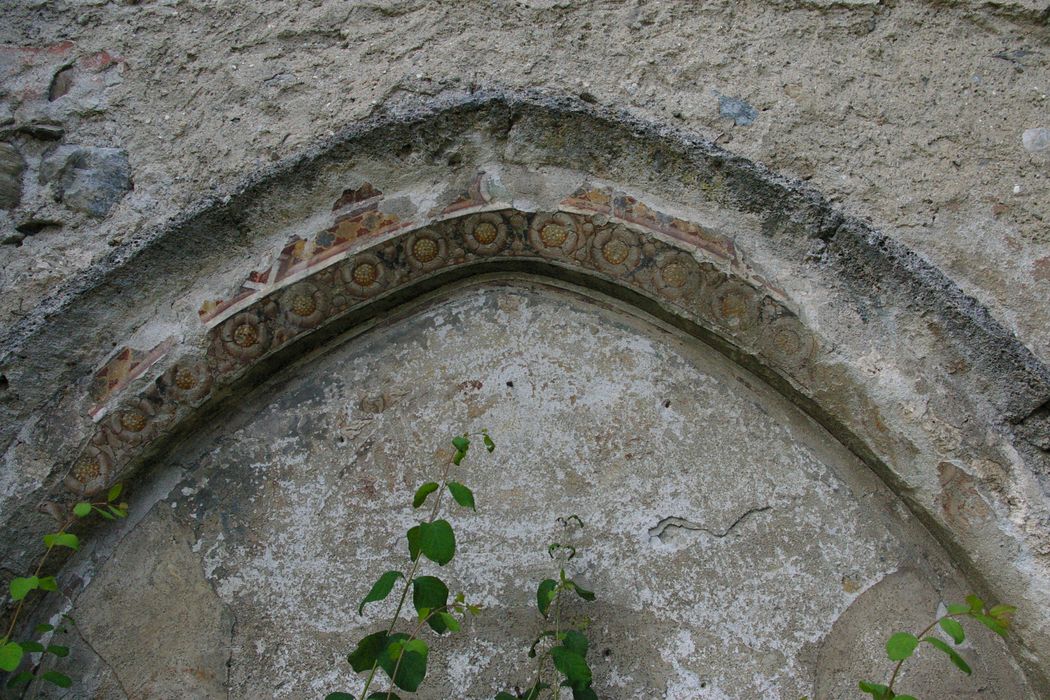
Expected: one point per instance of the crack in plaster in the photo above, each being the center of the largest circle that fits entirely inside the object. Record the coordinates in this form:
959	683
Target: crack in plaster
659	531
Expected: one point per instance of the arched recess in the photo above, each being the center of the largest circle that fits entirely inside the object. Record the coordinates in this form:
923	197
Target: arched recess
877	345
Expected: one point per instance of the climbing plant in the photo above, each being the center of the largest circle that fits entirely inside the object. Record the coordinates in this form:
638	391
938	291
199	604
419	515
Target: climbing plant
16	653
401	655
563	644
902	645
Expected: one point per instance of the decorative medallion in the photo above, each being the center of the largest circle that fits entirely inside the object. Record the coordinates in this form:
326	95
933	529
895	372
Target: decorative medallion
304	305
91	472
364	275
426	250
554	235
616	250
245	336
734	306
484	234
676	275
786	342
187	383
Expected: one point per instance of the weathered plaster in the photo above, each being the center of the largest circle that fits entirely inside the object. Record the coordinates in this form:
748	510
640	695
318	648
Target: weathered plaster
736	549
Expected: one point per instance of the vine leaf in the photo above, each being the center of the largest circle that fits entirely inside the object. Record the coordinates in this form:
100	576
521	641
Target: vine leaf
341	696
18	679
409	657
463	495
991	623
21	586
367	653
62	539
581	591
572	665
958	608
461	443
959	662
953	629
114	493
901	645
59	679
378	695
489	445
431	594
545	595
422	492
450	622
58	650
82	510
380	589
576	642
435	541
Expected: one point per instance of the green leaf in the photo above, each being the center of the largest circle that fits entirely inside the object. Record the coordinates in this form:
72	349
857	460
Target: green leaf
10	656
958	608
114	492
953	629
458	457
489	445
435	540
462	494
380	695
450	622
905	697
461	443
59	679
44	627
18	679
58	650
48	583
572	665
380	589
505	696
991	623
876	690
581	591
20	587
952	654
62	539
118	511
343	696
364	657
901	645
576	642
411	661
82	510
976	604
422	492
998	611
31	647
430	593
584	693
545	595
104	513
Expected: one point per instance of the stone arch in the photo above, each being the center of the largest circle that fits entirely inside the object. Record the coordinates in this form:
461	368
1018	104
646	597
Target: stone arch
879	346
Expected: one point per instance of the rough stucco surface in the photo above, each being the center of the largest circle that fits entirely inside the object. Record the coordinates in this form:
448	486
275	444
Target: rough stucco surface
912	114
736	550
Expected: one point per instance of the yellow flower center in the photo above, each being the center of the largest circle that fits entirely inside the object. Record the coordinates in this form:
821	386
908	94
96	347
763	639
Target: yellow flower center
425	250
485	233
615	251
365	274
553	235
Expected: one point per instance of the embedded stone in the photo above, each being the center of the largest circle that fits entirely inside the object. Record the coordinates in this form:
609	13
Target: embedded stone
91	180
11	167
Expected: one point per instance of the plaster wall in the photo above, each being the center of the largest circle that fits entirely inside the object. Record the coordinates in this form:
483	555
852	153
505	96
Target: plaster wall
735	548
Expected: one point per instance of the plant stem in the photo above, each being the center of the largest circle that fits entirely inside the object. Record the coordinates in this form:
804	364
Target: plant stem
922	634
408	579
36	572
